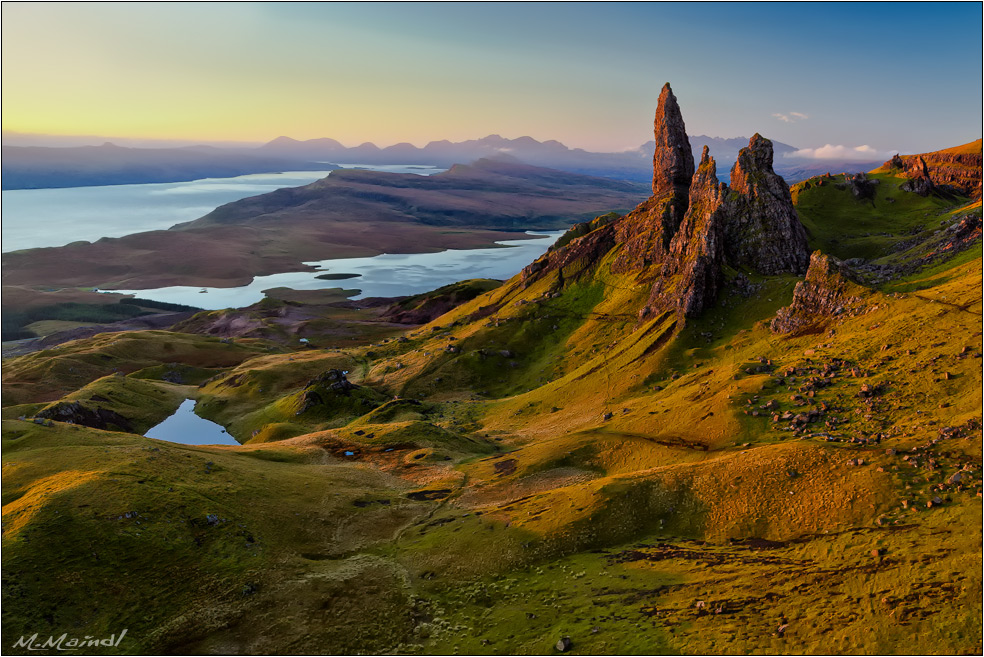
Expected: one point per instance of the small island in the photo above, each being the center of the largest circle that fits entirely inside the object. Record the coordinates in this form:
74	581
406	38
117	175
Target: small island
336	277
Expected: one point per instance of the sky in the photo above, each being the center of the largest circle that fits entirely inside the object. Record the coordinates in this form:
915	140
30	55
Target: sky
851	79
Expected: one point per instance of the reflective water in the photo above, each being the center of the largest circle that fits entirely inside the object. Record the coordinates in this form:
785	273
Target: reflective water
386	275
187	428
55	217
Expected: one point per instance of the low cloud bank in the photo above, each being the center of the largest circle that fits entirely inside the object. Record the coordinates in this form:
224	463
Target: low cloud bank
838	152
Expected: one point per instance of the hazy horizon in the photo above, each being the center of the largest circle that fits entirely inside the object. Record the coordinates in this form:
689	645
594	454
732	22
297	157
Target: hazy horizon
827	152
815	75
14	138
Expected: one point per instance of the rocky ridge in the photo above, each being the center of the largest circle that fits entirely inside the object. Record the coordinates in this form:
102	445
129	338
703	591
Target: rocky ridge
953	171
681	238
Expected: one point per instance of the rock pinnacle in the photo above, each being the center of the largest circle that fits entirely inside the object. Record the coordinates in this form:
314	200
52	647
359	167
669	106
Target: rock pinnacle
673	161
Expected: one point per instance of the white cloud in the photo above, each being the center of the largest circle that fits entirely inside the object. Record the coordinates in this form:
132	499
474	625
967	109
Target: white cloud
791	117
838	152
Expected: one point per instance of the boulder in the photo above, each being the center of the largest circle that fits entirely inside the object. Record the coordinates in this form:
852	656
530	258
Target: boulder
861	186
76	413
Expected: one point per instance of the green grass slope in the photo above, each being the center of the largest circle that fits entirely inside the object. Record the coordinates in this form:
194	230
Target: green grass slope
540	463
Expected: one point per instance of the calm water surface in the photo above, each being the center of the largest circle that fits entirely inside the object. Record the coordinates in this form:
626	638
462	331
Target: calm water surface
55	217
386	275
187	428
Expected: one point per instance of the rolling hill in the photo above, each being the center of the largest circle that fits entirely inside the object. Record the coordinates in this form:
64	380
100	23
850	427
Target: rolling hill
352	213
737	418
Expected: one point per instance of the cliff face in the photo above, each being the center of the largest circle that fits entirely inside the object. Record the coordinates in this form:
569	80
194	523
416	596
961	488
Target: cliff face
954	170
692	275
681	238
763	232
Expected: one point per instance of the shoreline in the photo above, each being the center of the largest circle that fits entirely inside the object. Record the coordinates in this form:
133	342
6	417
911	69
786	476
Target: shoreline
228	257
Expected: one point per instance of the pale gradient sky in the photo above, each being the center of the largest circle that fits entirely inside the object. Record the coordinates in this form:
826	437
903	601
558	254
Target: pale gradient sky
903	76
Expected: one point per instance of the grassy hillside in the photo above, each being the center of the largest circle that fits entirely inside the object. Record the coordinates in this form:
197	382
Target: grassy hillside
537	463
970	148
879	225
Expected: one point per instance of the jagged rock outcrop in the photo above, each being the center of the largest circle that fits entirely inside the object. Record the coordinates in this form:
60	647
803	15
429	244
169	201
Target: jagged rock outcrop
827	291
751	225
691	278
919	181
579	256
76	413
763	231
681	238
327	384
921	185
953	171
644	235
861	185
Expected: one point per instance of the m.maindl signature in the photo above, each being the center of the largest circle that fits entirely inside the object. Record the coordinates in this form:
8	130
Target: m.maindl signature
65	643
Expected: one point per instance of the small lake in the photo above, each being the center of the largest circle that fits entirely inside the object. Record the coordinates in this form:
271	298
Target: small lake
386	275
55	217
189	429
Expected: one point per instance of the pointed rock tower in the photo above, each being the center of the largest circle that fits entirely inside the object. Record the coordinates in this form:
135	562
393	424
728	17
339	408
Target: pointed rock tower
681	239
673	161
654	223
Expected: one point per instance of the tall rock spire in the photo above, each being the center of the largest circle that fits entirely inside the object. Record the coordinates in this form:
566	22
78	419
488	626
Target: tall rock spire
673	161
646	237
693	228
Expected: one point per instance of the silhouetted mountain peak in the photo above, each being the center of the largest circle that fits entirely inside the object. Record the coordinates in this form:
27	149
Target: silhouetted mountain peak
282	141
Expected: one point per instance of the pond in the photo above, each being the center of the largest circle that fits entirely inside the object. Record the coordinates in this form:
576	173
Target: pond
189	429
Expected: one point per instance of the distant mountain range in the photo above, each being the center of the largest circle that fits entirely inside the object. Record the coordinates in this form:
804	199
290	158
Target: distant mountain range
30	167
635	164
36	167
